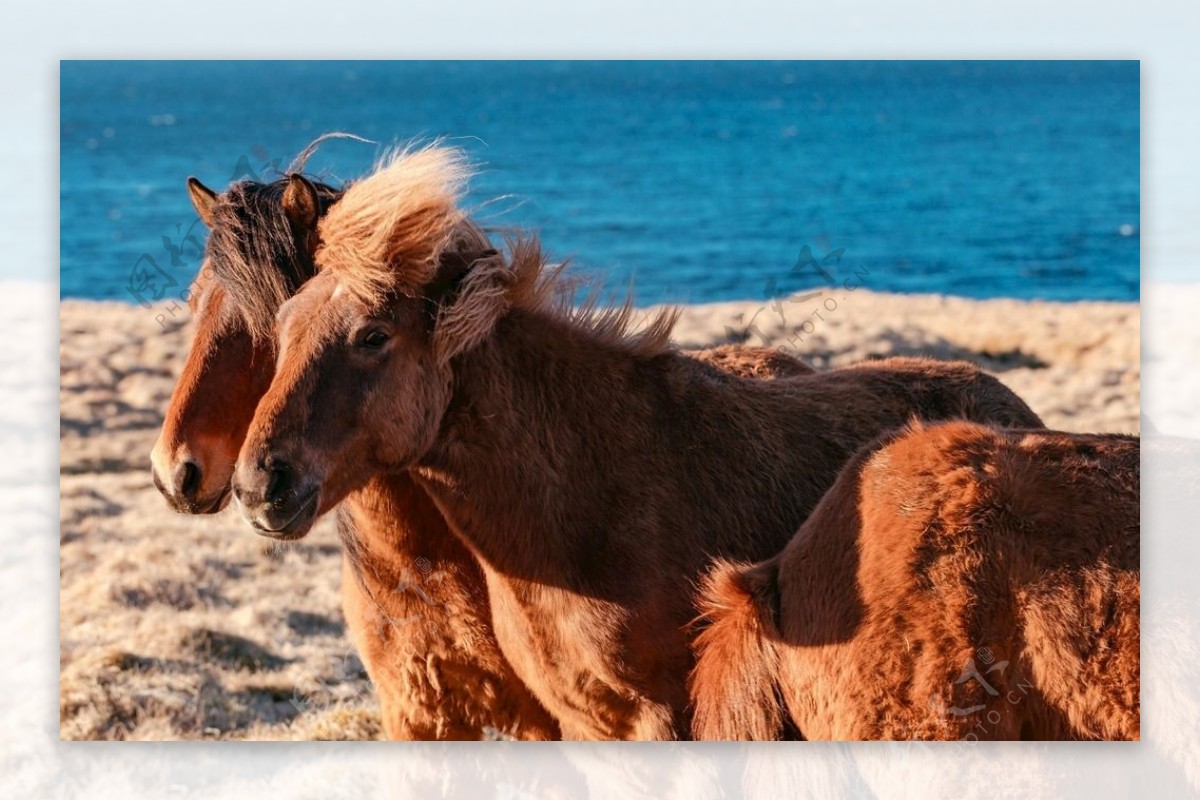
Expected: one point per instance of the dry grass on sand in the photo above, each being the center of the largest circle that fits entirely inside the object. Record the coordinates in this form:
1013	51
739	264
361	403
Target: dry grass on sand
176	627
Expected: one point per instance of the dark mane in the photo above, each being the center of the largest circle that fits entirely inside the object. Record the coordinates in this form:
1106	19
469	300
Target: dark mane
254	253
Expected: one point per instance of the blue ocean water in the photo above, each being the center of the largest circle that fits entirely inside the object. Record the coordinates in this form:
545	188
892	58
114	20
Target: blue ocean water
698	181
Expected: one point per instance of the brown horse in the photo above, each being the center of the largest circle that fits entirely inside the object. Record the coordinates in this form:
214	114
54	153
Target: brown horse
957	582
404	572
594	472
424	635
258	255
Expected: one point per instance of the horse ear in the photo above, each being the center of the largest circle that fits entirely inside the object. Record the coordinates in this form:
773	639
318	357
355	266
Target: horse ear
472	297
300	202
203	199
452	268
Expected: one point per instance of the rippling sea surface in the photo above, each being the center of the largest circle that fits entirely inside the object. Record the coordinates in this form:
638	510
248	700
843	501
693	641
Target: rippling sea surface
697	181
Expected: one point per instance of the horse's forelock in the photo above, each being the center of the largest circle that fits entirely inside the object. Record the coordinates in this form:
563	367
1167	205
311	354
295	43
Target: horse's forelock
253	250
386	235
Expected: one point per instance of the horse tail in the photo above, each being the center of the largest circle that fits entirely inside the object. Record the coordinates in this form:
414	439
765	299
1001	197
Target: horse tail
733	685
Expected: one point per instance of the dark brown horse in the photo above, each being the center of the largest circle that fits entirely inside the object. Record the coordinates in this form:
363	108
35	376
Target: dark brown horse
957	582
414	599
594	472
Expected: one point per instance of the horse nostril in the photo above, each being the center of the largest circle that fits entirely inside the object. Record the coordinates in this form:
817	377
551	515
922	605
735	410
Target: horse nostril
188	480
277	482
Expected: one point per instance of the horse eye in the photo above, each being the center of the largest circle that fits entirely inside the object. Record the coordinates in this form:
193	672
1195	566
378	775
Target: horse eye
375	339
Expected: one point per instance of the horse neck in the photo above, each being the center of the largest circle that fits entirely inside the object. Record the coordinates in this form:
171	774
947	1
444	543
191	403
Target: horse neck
515	455
393	533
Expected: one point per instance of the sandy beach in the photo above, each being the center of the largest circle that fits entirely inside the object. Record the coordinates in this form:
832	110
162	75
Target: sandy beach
178	627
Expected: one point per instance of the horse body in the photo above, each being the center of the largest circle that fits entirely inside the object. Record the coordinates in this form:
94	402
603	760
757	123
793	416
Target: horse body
957	582
419	611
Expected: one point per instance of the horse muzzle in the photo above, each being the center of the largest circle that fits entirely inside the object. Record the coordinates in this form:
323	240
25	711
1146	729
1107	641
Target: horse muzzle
275	499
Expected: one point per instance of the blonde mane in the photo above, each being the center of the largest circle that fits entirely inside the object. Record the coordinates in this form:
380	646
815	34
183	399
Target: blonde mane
524	280
389	231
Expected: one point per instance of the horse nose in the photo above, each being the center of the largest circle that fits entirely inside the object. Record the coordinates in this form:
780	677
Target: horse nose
276	496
